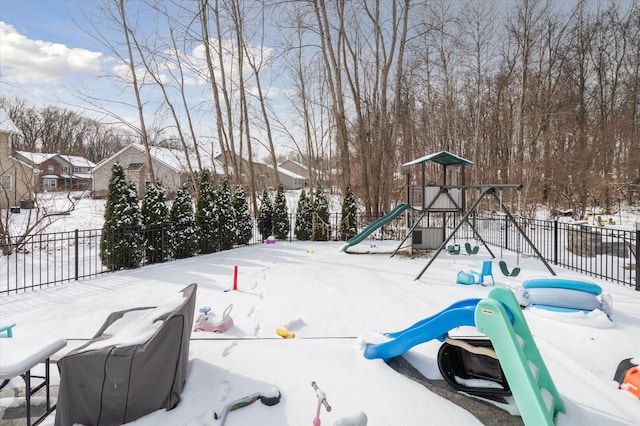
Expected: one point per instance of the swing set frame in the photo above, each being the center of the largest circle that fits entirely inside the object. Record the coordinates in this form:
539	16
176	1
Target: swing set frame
458	207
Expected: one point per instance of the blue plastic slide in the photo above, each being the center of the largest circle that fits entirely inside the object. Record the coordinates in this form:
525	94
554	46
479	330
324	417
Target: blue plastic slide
434	327
375	225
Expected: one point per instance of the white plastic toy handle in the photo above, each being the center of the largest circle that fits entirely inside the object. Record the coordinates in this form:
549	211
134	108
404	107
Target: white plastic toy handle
227	312
322	398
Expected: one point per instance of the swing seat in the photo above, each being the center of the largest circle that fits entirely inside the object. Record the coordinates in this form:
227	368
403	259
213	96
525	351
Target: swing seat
454	249
470	250
505	270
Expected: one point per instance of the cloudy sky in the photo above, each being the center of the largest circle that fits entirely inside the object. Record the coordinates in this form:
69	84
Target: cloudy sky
44	50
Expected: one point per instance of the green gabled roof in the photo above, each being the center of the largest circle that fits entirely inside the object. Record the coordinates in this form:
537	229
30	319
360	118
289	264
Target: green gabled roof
443	157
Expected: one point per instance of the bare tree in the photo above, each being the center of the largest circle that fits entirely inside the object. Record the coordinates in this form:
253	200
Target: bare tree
256	60
332	56
128	35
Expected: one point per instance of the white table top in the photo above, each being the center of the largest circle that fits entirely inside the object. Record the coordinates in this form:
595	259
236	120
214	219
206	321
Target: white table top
18	355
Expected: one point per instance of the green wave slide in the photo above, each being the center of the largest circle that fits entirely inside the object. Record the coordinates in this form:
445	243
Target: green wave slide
375	225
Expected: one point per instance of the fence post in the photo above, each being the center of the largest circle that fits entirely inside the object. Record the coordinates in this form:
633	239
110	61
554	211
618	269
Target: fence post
506	233
162	242
76	254
637	256
555	241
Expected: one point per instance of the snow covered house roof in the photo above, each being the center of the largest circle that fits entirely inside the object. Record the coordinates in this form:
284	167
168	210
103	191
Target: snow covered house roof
6	124
170	167
77	161
289	173
174	158
35	157
295	167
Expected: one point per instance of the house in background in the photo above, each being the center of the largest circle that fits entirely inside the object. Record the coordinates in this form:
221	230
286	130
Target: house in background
170	168
295	167
294	174
16	176
289	179
76	172
58	172
264	174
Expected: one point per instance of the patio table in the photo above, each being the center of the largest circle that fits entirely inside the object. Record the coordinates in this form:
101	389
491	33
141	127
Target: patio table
18	356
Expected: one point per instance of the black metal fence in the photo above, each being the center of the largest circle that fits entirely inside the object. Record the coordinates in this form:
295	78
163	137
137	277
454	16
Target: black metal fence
603	252
44	260
49	259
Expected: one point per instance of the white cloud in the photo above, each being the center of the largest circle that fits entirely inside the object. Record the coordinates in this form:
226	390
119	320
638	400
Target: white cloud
25	60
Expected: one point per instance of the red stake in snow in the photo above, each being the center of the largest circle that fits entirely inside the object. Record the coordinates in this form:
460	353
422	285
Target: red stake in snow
235	277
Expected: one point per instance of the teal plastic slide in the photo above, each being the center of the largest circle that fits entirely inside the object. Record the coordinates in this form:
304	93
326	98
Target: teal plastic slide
375	225
531	385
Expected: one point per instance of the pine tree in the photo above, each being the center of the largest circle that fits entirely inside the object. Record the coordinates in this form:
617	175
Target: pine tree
302	229
348	225
206	215
155	212
243	225
121	239
322	229
226	216
265	216
184	237
280	216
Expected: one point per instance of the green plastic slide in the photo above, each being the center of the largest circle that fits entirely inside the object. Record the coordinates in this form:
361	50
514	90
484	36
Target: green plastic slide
375	225
530	382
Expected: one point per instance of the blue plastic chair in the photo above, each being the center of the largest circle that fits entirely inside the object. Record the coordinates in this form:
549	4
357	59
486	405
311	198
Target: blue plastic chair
486	272
7	329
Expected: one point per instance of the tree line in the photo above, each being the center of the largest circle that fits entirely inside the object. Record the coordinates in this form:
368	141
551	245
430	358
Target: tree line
56	130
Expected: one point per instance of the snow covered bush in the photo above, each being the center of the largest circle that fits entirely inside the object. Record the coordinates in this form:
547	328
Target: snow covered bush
302	229
121	241
348	226
322	227
280	216
183	235
155	212
243	224
207	215
225	216
265	216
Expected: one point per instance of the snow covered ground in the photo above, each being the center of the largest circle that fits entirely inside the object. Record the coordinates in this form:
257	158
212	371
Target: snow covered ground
335	302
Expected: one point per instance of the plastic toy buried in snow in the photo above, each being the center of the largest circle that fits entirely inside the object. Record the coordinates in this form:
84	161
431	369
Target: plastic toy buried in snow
208	321
269	399
628	376
563	295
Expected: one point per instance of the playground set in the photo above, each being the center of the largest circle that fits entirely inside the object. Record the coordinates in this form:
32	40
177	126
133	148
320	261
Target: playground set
504	360
432	209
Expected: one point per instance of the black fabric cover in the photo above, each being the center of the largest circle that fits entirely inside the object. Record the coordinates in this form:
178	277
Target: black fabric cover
454	361
116	385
